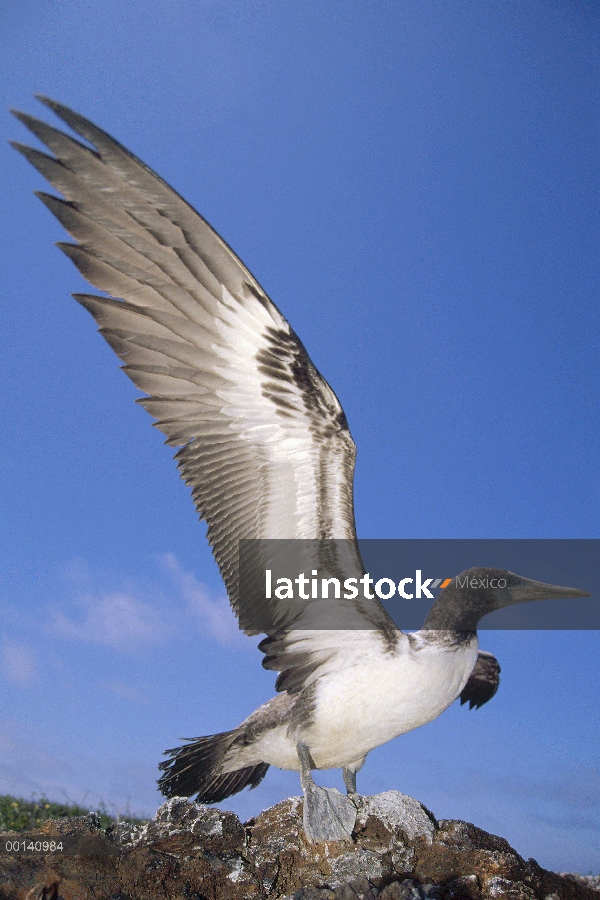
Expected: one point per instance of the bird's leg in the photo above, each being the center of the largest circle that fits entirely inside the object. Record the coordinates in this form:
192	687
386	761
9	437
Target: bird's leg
328	815
306	765
349	776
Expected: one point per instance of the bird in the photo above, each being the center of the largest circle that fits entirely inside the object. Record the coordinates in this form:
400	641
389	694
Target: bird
265	447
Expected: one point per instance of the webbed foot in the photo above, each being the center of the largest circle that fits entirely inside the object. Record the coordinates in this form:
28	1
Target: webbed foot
328	814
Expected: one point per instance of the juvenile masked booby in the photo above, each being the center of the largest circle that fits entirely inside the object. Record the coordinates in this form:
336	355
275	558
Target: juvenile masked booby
266	449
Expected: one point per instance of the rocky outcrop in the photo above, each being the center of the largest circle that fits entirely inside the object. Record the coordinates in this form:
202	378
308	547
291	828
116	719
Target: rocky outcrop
193	852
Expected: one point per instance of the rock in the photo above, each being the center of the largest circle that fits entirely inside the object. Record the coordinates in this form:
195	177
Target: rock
398	852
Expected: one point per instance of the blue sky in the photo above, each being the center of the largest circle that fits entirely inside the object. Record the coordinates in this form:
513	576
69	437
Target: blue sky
415	185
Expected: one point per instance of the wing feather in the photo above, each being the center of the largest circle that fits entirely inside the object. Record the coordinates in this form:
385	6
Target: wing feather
483	681
264	443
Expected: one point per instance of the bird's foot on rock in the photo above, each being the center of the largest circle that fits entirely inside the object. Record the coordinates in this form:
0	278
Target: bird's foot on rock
328	814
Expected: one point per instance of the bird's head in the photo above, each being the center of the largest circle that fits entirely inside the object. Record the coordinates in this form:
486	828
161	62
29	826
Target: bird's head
476	592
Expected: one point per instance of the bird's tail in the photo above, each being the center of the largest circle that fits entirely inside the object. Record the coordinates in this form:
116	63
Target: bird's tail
197	768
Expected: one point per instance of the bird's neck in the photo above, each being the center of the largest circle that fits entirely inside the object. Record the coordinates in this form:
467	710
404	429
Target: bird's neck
445	638
459	610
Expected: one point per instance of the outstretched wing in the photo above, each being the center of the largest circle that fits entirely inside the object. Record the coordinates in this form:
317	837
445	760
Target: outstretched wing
265	445
483	681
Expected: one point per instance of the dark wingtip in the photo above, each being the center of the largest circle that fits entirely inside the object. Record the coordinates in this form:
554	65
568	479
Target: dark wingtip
60	109
472	703
73	119
47	101
29	152
21	116
90	302
48	199
55	204
37	126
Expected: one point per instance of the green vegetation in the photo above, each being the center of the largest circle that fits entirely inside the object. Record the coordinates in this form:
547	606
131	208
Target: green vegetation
17	814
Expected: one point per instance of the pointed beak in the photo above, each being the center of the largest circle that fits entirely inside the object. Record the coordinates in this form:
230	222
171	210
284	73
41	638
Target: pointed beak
526	590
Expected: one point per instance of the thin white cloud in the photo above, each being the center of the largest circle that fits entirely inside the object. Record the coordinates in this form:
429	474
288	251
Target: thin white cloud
116	619
214	615
136	617
18	663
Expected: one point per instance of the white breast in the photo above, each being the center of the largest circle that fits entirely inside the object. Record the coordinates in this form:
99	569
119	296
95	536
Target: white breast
376	698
